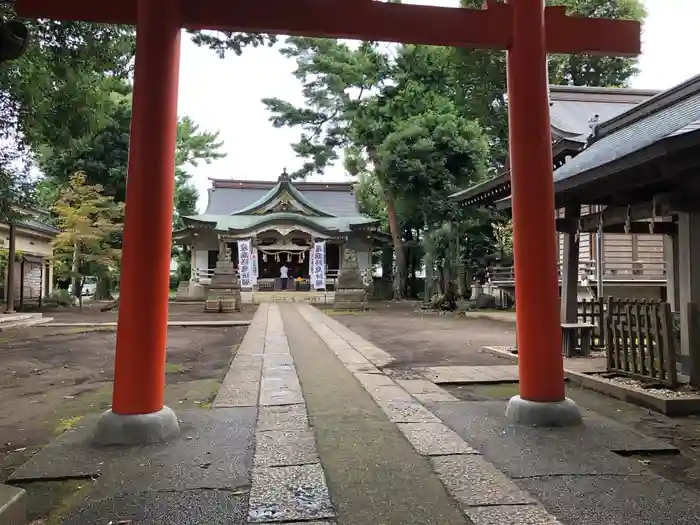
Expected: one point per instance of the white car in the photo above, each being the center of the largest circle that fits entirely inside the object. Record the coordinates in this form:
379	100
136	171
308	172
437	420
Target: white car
89	287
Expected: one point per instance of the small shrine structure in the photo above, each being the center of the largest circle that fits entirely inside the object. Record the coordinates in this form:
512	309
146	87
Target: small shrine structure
267	224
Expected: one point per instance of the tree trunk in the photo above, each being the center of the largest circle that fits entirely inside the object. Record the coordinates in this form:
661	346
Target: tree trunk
387	262
103	290
74	271
399	250
11	269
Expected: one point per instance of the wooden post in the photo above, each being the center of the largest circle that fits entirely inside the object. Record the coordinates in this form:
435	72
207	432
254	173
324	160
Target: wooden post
11	269
569	275
21	285
692	322
671	268
41	283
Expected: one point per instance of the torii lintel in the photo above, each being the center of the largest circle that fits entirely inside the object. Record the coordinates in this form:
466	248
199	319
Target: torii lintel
487	28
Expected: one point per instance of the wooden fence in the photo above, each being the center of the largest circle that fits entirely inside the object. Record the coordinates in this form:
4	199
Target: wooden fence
592	311
380	289
639	340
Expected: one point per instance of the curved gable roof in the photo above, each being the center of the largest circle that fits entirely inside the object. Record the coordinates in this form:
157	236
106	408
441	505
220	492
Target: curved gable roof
228	196
269	199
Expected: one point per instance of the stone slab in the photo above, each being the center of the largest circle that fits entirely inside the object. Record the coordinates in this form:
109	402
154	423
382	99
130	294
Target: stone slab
214	451
213	507
425	391
522	451
233	394
302	523
363	368
283	417
399	411
288	494
434	439
13	505
616	500
271	395
473	481
372	381
472	374
277	448
513	515
275	360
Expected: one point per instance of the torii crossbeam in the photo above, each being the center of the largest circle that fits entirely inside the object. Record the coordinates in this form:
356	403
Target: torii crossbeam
525	28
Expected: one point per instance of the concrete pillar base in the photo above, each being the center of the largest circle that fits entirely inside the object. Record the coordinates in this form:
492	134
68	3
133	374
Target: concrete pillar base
116	429
556	414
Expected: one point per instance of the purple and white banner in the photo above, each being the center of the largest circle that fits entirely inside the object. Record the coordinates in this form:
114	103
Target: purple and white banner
244	263
311	265
318	256
253	264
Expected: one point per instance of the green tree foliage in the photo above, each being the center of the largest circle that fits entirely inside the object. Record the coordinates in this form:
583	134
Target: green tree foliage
103	158
223	42
193	147
482	74
391	111
88	220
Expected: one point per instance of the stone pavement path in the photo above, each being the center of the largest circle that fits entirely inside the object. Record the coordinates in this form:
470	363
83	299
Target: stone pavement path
338	440
307	429
498	373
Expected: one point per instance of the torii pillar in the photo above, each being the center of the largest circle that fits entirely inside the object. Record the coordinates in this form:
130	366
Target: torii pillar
523	27
138	414
542	399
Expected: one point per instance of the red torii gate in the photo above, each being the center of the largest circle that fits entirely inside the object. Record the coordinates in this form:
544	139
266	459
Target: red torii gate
525	28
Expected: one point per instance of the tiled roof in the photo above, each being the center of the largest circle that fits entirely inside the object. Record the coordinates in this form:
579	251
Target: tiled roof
573	107
674	112
36	225
339	201
571	110
244	222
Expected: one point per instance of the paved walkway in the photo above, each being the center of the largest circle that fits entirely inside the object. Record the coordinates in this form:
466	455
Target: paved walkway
385	457
306	429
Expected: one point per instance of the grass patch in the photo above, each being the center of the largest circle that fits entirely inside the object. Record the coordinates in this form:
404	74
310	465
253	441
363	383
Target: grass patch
66	424
50	502
174	368
192	394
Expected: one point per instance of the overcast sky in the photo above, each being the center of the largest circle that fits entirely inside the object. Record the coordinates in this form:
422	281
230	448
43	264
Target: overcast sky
225	95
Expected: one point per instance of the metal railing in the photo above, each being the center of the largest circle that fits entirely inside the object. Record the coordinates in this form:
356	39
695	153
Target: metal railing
206	274
613	270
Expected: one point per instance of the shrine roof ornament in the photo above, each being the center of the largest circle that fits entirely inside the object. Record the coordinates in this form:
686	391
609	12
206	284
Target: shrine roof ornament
283	197
486	28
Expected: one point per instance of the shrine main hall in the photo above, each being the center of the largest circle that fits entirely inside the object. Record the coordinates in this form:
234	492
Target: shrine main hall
263	225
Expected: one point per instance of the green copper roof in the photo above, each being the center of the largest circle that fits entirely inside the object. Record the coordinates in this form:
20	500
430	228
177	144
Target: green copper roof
247	222
283	185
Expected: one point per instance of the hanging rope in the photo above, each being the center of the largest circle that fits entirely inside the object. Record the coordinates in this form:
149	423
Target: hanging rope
628	220
653	216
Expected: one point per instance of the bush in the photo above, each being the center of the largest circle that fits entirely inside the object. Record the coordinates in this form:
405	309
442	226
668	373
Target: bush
174	282
61	298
